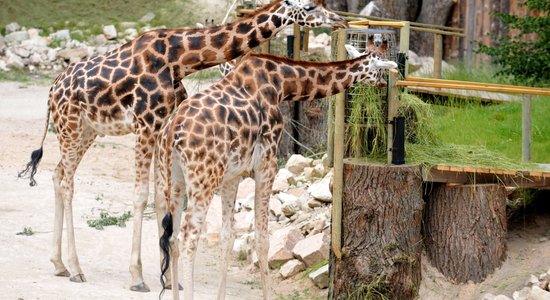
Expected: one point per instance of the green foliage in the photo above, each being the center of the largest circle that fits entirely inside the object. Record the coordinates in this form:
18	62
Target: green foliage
26	231
527	60
107	220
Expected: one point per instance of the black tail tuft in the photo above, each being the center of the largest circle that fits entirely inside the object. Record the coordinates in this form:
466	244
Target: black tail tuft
36	156
167	225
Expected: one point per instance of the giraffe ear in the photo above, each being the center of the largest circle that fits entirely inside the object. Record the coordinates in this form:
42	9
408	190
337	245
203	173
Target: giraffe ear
289	3
353	53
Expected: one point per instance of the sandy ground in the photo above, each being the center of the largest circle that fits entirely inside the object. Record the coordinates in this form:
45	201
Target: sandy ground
105	181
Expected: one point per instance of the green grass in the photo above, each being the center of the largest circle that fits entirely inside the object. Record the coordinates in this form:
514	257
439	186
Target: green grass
27	231
24	76
105	219
56	14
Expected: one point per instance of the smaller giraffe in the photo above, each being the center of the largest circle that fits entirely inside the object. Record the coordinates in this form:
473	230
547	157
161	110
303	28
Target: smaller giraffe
230	130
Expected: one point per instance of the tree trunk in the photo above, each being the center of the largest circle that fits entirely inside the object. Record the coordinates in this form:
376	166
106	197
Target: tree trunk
432	12
465	230
405	10
382	215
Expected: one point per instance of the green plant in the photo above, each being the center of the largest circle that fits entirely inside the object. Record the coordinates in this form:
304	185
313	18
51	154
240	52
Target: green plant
107	220
26	231
528	60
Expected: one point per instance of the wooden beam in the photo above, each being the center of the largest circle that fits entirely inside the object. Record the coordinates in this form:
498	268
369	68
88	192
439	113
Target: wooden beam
475	87
338	180
438	55
404	38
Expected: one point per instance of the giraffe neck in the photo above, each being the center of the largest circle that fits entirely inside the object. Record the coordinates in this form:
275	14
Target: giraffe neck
200	48
309	81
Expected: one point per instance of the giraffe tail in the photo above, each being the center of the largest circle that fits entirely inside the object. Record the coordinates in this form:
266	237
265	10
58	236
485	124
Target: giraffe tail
36	156
167	225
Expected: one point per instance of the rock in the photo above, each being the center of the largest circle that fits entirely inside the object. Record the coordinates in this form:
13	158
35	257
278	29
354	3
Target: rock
246	188
35	59
34	43
101	50
369	9
244	222
536	293
281	243
61	35
110	32
521	294
308	173
13	60
21	51
533	280
100	40
311	250
427	64
322	38
246	203
12	27
127	25
275	206
242	246
488	296
16	37
321	190
130	33
214	221
291	204
414	61
51	55
148	17
319	170
80	52
502	297
282	181
291	268
296	163
320	277
313	203
3	66
33	33
2	44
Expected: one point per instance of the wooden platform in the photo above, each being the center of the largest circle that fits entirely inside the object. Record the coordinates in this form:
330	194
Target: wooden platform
471	175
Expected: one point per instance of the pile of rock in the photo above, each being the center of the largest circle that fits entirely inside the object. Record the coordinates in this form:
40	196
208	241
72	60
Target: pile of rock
536	288
33	49
299	214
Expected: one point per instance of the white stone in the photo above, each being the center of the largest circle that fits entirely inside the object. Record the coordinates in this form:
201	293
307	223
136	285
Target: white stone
61	35
291	268
320	277
308	173
533	280
110	32
131	33
244	222
321	190
312	249
281	243
536	293
100	39
214	221
246	203
12	27
16	37
13	60
521	294
3	66
296	163
34	43
275	206
51	55
21	51
101	50
319	170
488	296
322	39
369	9
35	59
2	43
502	297
291	204
77	52
127	25
313	203
148	17
282	180
246	188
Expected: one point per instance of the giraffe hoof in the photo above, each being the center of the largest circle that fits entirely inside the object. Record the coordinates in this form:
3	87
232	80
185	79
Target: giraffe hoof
78	278
140	287
63	273
169	287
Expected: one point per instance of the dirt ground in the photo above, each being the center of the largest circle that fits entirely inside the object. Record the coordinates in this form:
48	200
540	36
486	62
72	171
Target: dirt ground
105	181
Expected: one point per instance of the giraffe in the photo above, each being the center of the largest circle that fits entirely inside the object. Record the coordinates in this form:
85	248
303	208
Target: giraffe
231	130
133	89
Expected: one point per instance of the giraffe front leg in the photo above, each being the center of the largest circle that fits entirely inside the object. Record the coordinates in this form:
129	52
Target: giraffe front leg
60	269
229	194
67	187
143	157
264	176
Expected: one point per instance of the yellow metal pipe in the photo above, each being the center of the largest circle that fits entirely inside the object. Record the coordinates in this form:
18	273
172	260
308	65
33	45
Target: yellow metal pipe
459	82
377	23
474	87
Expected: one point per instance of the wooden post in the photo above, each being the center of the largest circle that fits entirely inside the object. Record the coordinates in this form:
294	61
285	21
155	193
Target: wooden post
338	180
404	38
393	104
465	230
330	133
296	105
306	39
470	25
438	55
382	241
297	41
526	129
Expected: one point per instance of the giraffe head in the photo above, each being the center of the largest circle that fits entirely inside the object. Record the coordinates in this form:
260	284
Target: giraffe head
374	65
311	13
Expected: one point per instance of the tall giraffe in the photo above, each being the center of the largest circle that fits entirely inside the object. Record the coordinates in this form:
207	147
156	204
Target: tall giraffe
133	90
232	129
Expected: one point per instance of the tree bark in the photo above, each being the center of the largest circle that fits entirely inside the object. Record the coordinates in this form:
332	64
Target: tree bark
432	12
465	230
382	215
405	10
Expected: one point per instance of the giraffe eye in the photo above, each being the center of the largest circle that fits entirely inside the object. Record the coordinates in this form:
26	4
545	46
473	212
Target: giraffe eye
309	7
